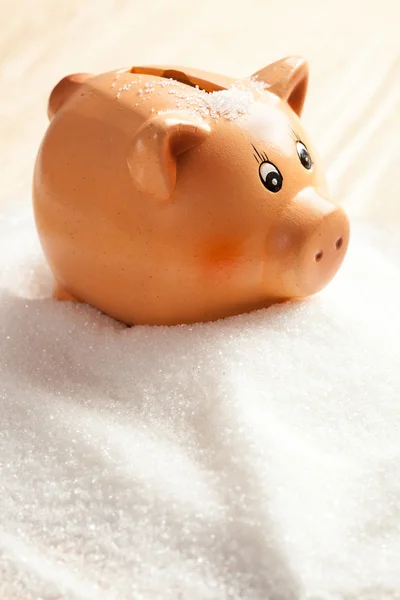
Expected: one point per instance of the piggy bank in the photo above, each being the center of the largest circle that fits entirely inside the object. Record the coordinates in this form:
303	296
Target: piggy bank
165	195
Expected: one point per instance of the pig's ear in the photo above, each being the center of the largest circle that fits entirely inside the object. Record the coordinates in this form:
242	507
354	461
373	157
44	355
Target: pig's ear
288	79
155	148
64	90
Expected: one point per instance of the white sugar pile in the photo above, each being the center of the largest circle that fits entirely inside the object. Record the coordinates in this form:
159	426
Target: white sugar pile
222	104
226	104
256	458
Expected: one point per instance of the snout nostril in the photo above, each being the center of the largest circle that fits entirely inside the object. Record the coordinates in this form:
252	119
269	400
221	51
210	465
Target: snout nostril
339	243
318	256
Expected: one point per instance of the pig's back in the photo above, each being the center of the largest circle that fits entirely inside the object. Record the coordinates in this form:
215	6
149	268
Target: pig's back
87	209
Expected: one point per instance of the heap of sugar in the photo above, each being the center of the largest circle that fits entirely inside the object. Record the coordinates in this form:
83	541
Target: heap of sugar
226	104
253	458
222	104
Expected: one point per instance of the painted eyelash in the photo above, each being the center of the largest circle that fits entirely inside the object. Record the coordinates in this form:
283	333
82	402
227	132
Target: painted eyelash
260	156
295	135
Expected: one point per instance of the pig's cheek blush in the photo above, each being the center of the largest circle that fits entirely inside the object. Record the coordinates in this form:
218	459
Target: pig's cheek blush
237	263
221	252
223	259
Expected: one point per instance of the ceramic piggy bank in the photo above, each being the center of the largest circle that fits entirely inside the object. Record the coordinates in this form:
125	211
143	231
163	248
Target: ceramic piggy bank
165	195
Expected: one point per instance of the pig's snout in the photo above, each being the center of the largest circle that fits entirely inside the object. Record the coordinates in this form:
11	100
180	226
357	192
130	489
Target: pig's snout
312	241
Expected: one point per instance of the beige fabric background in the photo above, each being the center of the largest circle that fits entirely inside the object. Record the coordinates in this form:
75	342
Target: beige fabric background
353	48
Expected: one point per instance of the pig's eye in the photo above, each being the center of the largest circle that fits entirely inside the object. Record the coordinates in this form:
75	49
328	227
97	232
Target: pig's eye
304	156
270	177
